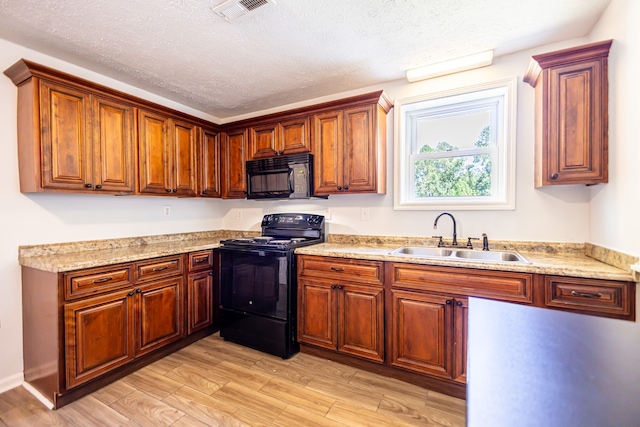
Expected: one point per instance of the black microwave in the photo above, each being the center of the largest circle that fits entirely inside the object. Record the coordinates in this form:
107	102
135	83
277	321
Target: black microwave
282	177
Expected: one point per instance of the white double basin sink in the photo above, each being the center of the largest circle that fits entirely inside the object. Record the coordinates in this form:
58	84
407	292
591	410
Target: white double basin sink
455	254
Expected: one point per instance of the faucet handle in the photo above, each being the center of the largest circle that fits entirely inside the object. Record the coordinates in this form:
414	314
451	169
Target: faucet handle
440	241
485	242
469	239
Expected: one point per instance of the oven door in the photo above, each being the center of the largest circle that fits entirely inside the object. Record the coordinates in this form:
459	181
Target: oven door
255	281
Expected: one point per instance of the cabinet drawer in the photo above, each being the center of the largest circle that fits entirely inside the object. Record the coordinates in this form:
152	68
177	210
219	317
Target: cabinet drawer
352	270
200	260
598	296
96	280
159	267
505	286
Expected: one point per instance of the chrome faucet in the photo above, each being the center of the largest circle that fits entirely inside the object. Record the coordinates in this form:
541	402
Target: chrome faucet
455	234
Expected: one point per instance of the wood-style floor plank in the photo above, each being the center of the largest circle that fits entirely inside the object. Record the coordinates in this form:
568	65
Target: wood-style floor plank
219	384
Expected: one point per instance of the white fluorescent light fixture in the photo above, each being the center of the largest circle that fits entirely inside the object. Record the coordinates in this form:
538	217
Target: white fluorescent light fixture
477	60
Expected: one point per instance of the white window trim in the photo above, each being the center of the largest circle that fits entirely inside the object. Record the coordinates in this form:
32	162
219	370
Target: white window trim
506	201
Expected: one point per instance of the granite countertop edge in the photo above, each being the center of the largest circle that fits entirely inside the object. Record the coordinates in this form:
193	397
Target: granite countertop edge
571	264
564	259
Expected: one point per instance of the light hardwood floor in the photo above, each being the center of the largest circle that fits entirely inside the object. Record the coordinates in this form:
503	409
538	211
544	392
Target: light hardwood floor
216	383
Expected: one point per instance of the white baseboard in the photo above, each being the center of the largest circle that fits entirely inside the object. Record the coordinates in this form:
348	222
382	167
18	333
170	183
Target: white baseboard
11	382
38	395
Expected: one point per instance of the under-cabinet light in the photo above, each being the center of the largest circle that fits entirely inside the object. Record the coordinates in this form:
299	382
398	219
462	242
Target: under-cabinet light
456	65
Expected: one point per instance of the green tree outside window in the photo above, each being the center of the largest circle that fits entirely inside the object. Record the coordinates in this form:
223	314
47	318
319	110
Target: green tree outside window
454	176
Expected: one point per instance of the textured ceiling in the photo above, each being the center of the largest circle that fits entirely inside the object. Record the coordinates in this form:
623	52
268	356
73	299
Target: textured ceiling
279	54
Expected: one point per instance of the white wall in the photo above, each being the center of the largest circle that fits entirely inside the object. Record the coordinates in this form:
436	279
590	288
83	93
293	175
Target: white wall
615	207
550	214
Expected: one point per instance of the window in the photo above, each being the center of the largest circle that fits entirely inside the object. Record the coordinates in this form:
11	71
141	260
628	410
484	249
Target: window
456	149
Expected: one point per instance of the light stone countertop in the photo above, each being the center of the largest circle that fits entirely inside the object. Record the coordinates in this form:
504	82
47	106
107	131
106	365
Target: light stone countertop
570	263
565	259
61	257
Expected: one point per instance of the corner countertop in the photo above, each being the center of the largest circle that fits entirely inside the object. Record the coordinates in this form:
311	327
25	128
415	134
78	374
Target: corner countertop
62	257
559	259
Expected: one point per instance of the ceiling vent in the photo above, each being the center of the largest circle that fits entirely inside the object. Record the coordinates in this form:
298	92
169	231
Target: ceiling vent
232	9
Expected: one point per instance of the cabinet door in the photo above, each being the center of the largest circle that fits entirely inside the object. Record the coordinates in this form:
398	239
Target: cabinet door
316	314
360	154
461	326
160	314
153	153
113	147
234	182
577	125
66	150
183	158
421	332
98	336
199	301
295	136
328	149
210	164
264	141
361	321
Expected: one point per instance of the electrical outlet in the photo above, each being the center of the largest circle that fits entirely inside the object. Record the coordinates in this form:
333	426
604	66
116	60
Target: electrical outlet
327	214
166	210
364	214
238	214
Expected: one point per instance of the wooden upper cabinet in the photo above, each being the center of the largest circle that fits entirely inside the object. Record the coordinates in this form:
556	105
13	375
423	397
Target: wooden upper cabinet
210	163
291	136
114	149
350	147
153	153
571	95
71	139
65	130
77	136
167	155
184	157
234	155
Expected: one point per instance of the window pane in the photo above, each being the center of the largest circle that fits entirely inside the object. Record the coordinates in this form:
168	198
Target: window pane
453	176
454	131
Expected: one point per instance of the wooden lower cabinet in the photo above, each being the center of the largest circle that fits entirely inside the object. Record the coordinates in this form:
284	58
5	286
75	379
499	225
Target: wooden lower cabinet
86	328
200	301
98	336
428	334
345	317
159	314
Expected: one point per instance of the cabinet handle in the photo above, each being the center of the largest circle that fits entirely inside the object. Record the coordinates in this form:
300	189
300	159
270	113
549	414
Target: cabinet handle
175	190
448	302
337	268
138	290
201	260
204	191
554	176
585	295
130	294
160	268
339	187
340	287
88	185
98	187
211	273
168	190
333	286
459	303
346	188
106	279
